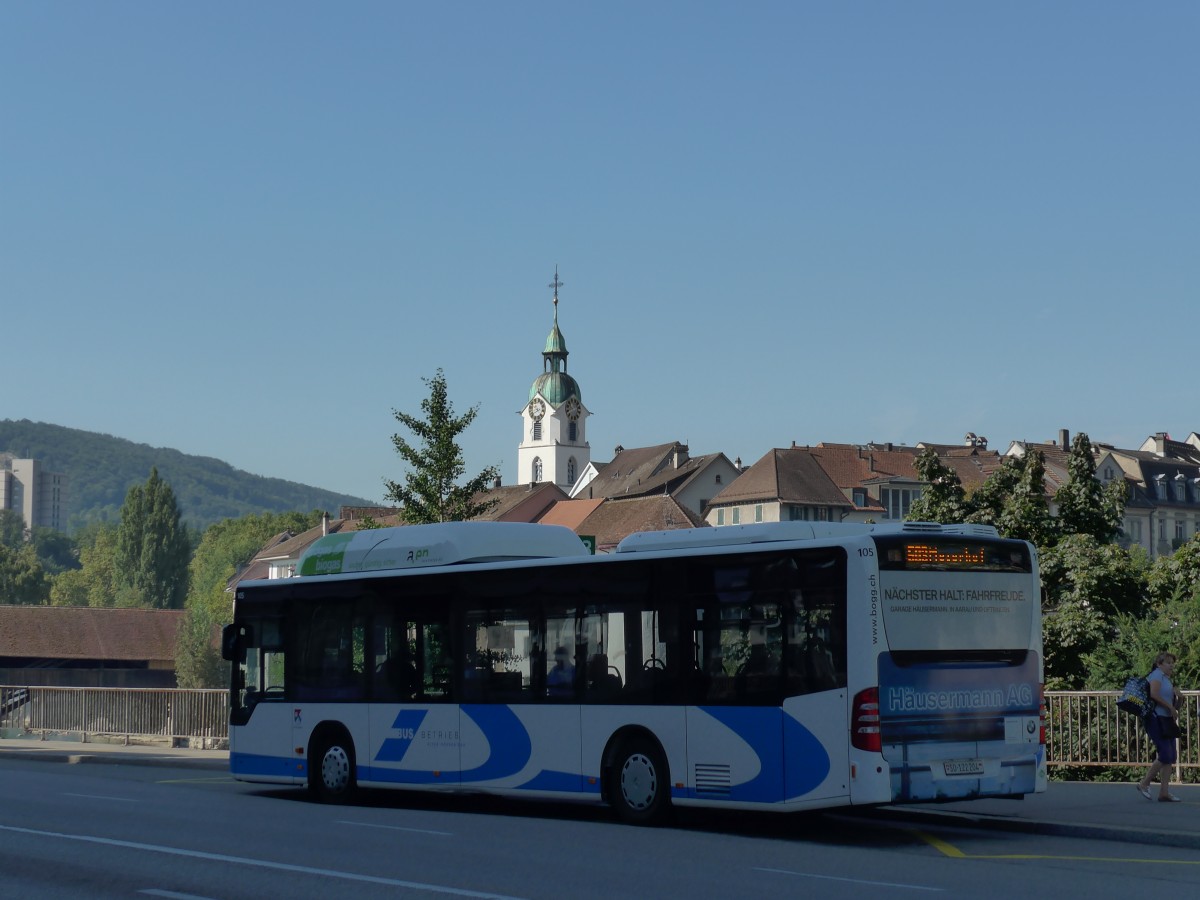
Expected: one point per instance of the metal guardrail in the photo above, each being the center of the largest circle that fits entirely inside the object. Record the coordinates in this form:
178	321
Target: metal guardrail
195	715
1084	729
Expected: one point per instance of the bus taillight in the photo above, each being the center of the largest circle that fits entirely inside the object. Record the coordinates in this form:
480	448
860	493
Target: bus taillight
864	721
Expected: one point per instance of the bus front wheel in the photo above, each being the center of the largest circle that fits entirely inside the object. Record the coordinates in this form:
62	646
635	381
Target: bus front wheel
641	788
331	769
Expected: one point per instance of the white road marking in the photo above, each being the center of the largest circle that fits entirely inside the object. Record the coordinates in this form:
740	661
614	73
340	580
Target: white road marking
887	884
173	895
100	797
259	863
395	828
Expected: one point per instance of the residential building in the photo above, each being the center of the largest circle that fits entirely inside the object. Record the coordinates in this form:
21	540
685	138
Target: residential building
1162	484
664	469
784	485
39	495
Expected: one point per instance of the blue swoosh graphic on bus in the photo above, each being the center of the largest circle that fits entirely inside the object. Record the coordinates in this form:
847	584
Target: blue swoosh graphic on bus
562	782
807	759
507	738
407	723
768	731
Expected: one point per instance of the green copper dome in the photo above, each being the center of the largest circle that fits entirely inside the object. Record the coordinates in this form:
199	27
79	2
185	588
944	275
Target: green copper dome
556	387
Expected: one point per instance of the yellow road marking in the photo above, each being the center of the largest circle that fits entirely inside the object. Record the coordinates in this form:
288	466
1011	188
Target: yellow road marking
950	850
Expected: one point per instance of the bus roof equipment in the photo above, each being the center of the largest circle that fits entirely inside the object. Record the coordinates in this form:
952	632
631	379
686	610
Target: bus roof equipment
448	543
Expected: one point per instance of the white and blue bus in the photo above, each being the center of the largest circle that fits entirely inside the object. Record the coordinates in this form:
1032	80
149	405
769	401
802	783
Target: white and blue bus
783	666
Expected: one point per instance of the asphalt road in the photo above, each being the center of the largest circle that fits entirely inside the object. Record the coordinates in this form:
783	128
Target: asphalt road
136	831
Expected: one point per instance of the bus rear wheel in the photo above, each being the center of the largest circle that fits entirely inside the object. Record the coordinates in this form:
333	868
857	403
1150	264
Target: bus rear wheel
331	769
640	785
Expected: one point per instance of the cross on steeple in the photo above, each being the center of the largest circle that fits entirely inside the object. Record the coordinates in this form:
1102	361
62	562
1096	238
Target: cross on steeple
556	284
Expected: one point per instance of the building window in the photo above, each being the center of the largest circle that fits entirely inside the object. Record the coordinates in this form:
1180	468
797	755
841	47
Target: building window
737	515
1133	528
896	501
1160	486
1108	473
721	516
571	470
1162	529
1180	530
757	512
1180	489
718	479
537	430
860	498
573	432
537	469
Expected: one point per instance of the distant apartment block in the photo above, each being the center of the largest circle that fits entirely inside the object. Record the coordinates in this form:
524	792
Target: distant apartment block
38	494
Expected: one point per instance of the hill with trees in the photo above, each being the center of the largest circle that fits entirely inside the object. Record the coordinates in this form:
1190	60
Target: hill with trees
103	468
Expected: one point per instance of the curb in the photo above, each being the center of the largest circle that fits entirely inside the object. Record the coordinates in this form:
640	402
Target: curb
115	759
1126	834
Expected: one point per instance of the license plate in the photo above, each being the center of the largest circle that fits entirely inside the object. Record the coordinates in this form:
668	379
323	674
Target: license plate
963	766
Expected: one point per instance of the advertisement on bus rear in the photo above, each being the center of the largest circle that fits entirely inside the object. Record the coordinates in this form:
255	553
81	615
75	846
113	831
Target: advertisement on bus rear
979	610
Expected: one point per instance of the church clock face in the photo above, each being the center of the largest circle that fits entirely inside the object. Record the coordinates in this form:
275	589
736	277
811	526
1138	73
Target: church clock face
537	409
573	409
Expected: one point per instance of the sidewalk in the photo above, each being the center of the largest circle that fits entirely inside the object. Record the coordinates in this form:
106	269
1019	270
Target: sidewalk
1093	810
68	749
1084	809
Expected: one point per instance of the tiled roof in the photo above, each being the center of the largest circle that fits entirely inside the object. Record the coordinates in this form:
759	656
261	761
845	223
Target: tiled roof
614	520
80	632
643	471
790	476
520	502
850	467
570	513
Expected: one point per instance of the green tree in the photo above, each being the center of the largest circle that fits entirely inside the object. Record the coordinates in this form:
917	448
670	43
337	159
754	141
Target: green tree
13	532
22	579
153	548
943	499
430	492
1085	506
224	549
198	664
57	551
1026	513
1088	586
94	583
1177	577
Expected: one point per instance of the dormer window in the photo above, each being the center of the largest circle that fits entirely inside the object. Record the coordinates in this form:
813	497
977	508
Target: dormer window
1160	486
1180	487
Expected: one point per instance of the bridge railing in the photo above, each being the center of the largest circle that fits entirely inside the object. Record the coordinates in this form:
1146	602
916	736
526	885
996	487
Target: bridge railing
194	715
1084	729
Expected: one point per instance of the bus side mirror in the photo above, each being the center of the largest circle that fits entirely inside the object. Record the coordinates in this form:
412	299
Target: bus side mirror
229	643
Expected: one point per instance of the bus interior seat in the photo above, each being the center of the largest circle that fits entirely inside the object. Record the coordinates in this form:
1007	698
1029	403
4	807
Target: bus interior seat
603	679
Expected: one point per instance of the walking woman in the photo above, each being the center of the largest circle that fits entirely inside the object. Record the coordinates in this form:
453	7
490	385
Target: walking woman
1163	727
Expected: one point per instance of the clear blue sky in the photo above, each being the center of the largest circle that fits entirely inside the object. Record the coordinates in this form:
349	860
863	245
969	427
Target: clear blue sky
247	231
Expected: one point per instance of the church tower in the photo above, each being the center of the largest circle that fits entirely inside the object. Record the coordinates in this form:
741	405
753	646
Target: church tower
554	443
